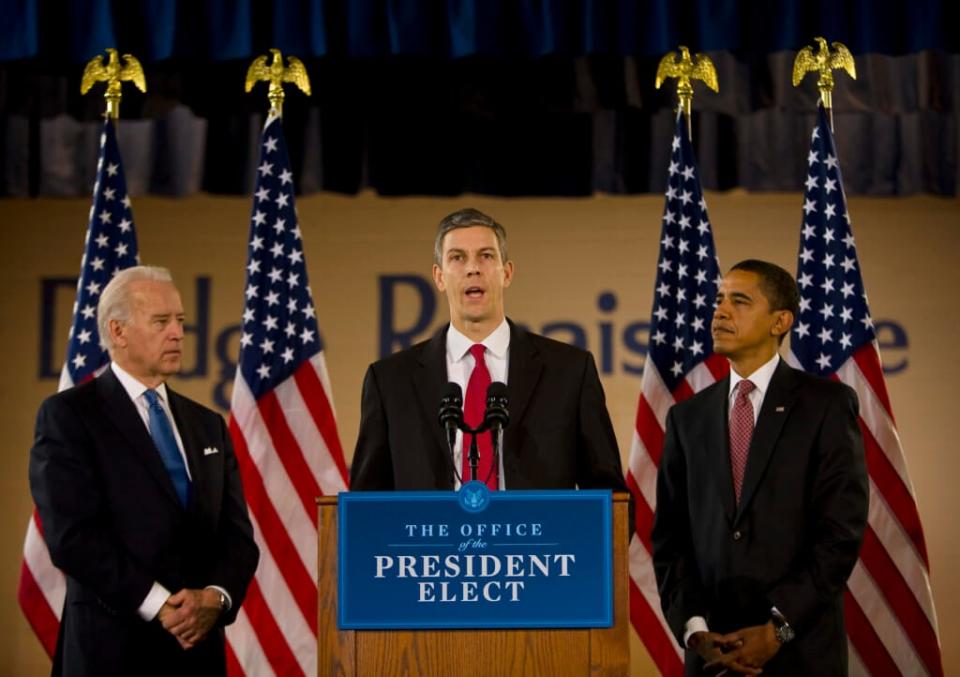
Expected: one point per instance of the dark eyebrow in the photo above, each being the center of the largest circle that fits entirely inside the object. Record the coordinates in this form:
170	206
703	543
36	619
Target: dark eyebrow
736	295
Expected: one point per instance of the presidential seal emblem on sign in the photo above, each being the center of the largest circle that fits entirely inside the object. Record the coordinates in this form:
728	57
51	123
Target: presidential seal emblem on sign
474	496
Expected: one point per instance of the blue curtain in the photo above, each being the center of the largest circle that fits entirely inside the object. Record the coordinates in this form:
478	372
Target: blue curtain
220	30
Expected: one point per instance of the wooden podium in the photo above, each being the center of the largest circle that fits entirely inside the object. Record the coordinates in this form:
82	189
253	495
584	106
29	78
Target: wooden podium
510	653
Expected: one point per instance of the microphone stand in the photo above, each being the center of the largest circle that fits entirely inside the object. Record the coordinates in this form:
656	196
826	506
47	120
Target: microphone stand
474	450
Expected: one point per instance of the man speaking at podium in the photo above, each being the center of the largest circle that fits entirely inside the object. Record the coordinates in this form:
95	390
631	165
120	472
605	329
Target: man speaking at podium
559	435
761	498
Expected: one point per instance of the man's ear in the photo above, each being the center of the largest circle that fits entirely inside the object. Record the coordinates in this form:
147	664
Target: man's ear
118	336
782	323
507	273
438	278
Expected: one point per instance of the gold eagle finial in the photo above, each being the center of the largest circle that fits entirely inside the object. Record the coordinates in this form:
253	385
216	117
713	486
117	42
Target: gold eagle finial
686	70
824	62
113	73
275	73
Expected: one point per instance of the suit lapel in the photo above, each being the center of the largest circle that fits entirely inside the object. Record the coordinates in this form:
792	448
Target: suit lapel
717	408
122	412
773	414
523	372
429	379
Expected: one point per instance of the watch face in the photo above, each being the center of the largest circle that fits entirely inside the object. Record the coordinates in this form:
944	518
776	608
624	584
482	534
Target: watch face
784	633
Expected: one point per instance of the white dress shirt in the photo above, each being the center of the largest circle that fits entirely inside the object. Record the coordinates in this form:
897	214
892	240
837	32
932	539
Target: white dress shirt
761	381
460	365
158	594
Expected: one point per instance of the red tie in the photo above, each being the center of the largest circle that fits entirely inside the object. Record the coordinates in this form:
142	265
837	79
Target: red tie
741	430
473	407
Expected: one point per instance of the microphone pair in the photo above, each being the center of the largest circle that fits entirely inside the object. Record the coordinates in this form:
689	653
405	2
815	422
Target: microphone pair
495	417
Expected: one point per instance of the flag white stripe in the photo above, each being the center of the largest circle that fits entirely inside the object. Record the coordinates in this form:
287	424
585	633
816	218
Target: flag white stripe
641	571
283	495
49	579
656	393
876	419
319	363
312	445
246	647
283	607
900	549
700	377
855	666
884	622
644	471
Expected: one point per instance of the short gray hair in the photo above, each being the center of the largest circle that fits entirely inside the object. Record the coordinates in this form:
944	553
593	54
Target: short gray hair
466	218
115	298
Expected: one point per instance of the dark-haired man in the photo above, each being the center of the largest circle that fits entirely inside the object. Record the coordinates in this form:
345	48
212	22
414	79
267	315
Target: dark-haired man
559	436
761	498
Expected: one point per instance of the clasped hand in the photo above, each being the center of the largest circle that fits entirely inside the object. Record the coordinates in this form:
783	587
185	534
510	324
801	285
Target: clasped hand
743	652
189	614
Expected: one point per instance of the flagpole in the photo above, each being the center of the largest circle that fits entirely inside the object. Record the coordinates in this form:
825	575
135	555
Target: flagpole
824	62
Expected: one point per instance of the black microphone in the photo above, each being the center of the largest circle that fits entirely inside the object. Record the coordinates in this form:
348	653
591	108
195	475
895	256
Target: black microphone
497	416
451	418
451	409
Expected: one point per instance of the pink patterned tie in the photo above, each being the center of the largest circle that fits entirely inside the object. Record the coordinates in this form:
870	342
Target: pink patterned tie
741	430
474	405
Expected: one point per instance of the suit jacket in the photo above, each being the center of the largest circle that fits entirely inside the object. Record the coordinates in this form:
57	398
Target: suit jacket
114	525
559	435
793	539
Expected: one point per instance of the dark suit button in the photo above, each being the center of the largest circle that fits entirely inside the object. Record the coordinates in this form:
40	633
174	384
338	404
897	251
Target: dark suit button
737	535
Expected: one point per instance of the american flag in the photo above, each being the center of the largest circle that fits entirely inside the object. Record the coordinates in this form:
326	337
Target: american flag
111	245
891	622
283	428
680	362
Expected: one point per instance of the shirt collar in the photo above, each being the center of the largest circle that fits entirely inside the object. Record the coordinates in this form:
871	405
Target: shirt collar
760	378
497	342
135	389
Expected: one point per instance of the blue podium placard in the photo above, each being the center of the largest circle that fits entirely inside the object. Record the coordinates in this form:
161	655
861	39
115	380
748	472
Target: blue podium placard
475	559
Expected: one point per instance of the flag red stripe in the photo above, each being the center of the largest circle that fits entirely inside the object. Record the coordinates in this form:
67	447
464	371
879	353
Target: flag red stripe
289	452
643	514
718	365
868	360
873	652
234	669
682	392
649	430
39	614
659	644
894	492
299	580
271	638
901	600
315	397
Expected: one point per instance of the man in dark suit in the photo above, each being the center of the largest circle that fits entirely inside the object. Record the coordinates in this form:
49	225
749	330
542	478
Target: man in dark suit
139	495
559	435
761	498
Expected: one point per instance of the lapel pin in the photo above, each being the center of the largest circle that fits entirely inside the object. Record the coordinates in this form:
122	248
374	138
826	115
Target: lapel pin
780	409
207	451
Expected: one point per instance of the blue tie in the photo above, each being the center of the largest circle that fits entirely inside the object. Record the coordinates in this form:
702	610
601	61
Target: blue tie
162	433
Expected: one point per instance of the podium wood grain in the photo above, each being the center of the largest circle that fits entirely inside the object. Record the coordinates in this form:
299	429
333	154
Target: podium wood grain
493	653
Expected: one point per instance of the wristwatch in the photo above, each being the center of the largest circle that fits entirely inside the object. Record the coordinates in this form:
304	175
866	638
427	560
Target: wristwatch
781	628
223	601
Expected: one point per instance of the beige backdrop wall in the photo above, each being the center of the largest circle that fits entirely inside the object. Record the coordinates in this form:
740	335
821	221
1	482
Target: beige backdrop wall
567	253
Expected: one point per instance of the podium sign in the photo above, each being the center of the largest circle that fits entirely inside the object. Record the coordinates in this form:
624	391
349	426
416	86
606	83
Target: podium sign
475	559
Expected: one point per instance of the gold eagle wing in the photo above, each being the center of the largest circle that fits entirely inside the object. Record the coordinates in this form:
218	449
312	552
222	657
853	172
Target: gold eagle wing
296	73
259	70
842	58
